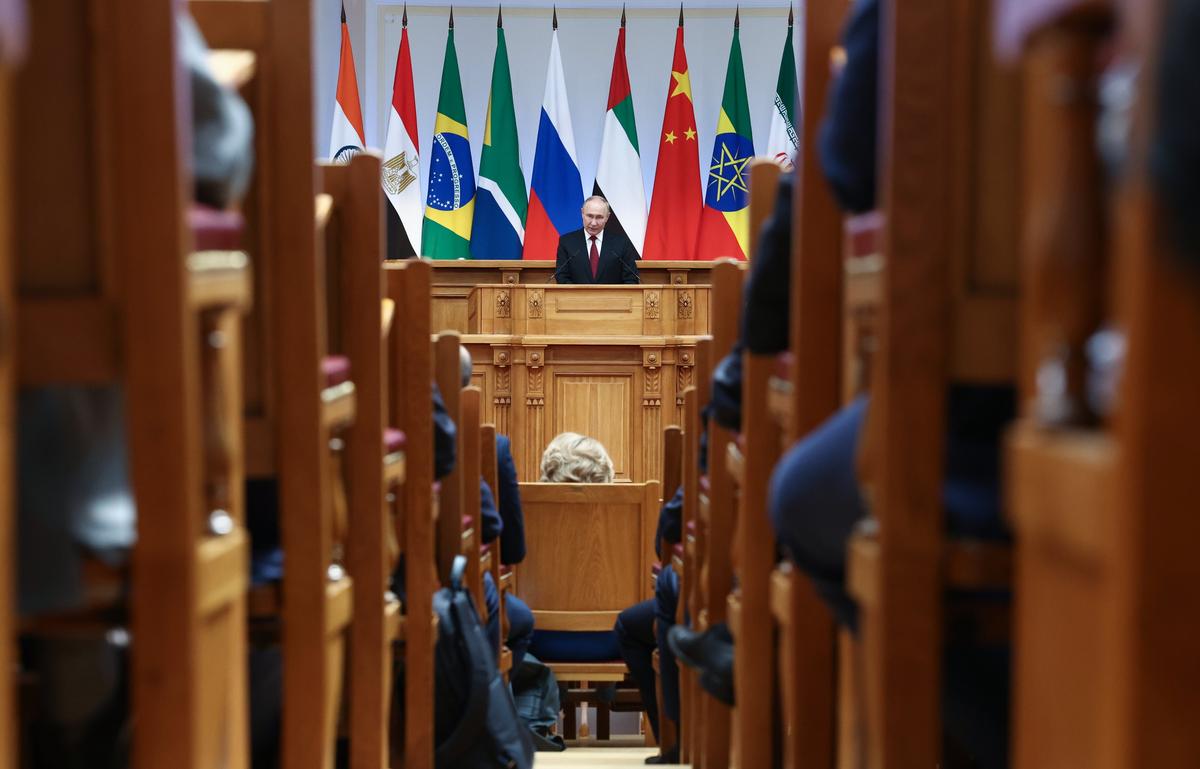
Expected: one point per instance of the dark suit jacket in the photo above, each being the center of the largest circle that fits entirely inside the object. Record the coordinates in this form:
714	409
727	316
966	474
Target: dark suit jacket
618	260
512	536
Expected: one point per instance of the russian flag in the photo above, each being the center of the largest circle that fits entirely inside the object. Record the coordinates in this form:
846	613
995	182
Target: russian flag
556	192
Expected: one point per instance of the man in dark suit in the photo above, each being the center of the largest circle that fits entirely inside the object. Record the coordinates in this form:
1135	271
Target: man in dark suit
591	255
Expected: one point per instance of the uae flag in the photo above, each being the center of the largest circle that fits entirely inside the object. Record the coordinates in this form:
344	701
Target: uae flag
402	165
782	141
619	174
725	222
347	138
675	207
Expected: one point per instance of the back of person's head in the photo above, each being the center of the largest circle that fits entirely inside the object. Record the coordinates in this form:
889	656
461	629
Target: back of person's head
464	365
575	458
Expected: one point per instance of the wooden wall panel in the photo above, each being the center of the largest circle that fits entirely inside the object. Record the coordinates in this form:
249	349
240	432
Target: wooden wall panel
600	406
621	390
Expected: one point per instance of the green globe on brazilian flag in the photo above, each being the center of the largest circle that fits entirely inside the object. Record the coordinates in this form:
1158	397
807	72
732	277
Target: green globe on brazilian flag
450	204
725	221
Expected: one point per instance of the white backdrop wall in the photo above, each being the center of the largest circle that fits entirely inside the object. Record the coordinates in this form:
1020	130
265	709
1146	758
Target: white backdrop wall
587	34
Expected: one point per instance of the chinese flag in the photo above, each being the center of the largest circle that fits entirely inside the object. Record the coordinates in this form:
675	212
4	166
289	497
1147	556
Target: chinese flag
675	207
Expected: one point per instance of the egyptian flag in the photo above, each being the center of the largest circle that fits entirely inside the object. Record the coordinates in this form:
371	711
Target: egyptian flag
675	207
619	174
556	191
725	221
402	165
347	138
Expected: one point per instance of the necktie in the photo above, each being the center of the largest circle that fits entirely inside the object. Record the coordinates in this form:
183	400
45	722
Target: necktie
595	257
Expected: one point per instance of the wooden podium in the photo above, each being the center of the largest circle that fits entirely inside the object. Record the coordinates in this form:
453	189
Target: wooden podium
611	362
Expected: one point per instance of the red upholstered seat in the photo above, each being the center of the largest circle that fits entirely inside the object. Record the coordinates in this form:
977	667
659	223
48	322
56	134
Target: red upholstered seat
691	526
864	233
335	369
656	568
487	548
783	365
393	440
505	569
467	521
215	230
678	549
705	486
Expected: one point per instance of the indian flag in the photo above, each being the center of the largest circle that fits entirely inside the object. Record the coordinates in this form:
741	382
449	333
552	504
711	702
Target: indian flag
346	138
782	141
619	174
450	204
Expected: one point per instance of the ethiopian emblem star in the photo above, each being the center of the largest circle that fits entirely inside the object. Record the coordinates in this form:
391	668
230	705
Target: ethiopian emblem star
729	172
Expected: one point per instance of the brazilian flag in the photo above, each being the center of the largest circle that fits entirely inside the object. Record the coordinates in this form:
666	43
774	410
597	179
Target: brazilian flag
450	205
725	221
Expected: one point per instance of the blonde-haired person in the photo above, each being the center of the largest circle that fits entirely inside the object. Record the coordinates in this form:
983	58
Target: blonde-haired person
575	458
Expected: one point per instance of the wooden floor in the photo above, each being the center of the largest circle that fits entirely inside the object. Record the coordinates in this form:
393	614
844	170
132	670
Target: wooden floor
594	758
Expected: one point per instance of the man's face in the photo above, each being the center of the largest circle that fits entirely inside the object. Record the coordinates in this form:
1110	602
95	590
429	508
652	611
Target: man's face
595	216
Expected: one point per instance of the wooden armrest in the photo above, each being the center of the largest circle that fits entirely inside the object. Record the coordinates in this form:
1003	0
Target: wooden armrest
338	405
387	314
232	68
735	462
1063	490
323	207
219	279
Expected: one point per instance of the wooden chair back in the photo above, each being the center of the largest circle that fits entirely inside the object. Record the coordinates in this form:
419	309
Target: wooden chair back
1090	639
411	397
294	406
753	552
802	393
948	316
588	546
354	247
470	455
490	557
13	41
451	507
115	298
689	585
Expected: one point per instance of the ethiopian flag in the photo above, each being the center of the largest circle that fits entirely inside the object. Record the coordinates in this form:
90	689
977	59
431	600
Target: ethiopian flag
450	204
499	231
725	221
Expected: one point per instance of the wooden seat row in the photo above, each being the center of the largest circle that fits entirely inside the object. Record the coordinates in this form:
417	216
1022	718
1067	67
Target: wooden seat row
989	242
319	397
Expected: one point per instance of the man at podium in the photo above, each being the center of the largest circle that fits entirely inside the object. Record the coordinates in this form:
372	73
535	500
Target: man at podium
591	255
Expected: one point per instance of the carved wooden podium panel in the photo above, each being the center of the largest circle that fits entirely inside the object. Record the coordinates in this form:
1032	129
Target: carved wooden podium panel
611	362
453	282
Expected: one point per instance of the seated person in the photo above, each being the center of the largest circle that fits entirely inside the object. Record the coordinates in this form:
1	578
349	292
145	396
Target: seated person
575	458
643	627
507	529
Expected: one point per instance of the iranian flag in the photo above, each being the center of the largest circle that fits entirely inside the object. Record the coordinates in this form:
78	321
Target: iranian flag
782	141
402	165
619	174
347	138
